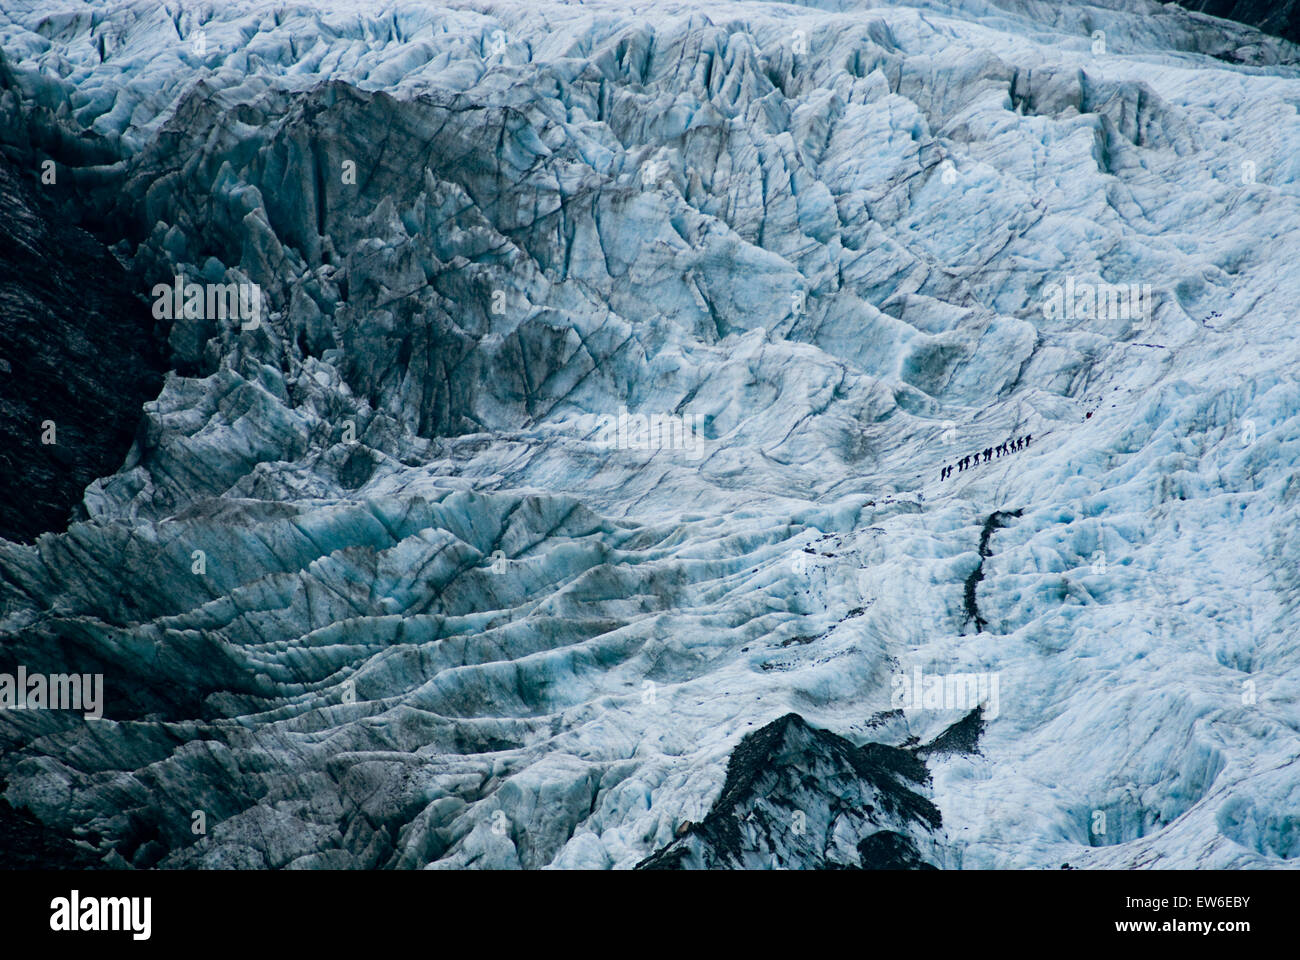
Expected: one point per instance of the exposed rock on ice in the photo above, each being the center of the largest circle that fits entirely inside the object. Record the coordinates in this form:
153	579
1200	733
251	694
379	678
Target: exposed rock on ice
801	798
78	358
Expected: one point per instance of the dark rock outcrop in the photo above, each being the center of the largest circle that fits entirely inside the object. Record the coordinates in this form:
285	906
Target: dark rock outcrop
1278	17
78	359
803	798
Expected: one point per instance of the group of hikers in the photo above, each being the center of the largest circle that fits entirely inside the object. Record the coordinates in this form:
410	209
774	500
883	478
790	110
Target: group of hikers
988	453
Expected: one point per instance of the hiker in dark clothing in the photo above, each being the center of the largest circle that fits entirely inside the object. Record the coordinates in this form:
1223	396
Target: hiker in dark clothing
988	454
1028	437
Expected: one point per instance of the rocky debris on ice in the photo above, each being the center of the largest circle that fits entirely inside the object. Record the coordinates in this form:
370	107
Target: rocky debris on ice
800	798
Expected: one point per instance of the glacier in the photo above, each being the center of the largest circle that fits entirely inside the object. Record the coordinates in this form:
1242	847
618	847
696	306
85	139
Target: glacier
374	584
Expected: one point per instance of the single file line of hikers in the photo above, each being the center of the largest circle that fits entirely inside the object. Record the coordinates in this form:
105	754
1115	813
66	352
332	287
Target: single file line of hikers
968	462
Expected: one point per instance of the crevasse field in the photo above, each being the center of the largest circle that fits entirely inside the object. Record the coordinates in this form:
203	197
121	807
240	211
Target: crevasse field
445	616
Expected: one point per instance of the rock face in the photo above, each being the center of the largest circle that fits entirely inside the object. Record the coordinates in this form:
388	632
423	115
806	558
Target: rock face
78	359
1278	17
605	360
800	798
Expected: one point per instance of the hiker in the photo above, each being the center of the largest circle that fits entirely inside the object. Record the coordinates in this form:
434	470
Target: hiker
988	454
1028	437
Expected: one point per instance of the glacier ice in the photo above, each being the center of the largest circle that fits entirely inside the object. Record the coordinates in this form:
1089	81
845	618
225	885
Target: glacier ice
373	588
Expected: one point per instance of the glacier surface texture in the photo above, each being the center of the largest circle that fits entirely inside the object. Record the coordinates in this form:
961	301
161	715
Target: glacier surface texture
577	494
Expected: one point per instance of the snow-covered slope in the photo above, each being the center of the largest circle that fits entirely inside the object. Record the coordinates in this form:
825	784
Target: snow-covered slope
452	610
